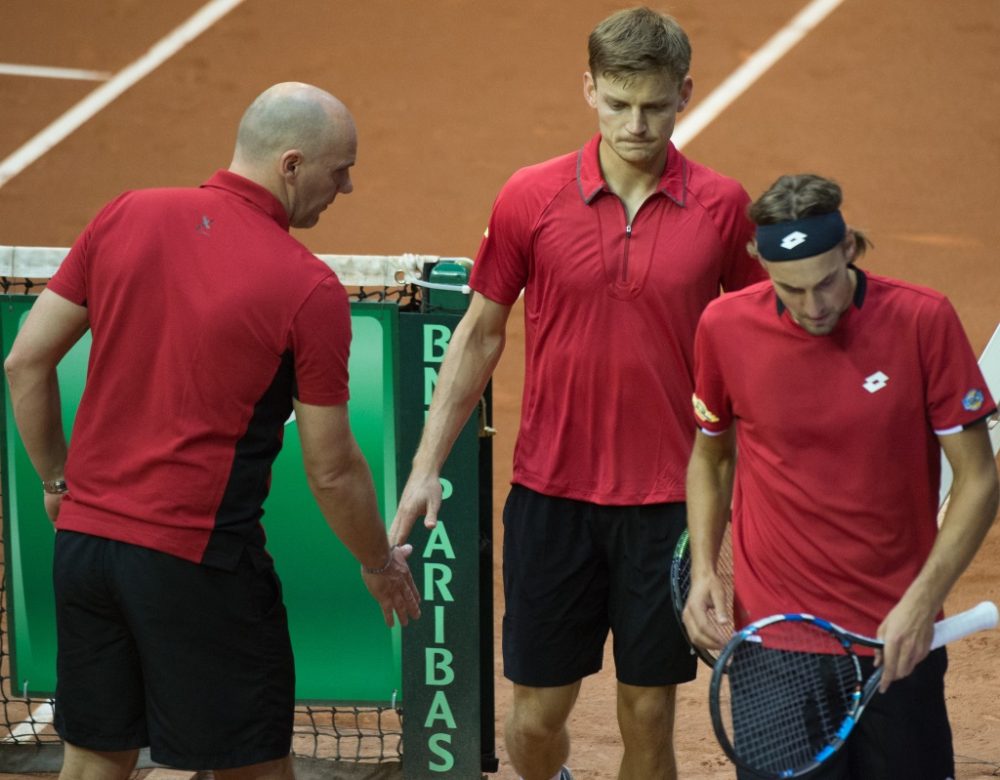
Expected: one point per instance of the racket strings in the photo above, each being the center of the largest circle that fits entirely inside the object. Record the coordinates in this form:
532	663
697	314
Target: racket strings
785	694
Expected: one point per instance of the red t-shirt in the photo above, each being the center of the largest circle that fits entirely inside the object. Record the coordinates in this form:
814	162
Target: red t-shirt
610	315
207	317
838	467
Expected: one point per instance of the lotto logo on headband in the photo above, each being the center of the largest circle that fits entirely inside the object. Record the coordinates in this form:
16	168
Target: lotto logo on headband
800	238
793	239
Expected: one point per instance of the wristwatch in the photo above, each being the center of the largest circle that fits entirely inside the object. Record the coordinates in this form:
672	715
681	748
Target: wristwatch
55	487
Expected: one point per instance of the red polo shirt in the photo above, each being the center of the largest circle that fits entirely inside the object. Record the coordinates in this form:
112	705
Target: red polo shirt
836	495
610	316
207	318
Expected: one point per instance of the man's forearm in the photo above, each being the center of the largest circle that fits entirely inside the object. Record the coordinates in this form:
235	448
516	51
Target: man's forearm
971	509
37	411
349	505
709	492
467	368
53	325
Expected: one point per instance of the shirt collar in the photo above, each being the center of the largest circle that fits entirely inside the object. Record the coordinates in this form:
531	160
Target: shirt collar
252	192
590	179
859	290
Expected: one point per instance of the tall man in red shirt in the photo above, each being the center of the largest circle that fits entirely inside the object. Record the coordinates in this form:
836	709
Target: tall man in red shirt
617	247
171	628
838	389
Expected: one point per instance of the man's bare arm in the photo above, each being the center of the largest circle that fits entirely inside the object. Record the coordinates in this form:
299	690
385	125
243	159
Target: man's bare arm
52	327
474	351
972	507
341	482
709	497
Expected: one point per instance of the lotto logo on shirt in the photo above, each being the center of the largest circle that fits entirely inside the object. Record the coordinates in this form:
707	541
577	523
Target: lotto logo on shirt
973	401
702	412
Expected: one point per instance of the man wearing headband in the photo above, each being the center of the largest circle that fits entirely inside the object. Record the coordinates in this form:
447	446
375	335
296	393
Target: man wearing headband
838	387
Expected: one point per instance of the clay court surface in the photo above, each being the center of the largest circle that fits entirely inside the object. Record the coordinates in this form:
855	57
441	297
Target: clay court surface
896	99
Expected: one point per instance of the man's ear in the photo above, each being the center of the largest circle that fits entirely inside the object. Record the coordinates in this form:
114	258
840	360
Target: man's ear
589	89
687	90
290	162
850	246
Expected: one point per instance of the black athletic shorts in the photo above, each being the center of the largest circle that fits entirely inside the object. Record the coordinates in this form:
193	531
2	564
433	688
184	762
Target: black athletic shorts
572	571
903	733
194	662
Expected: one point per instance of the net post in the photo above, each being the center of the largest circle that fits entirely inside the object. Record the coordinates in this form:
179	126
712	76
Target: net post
448	654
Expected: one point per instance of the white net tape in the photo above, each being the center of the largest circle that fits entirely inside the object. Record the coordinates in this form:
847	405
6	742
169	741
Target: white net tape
38	262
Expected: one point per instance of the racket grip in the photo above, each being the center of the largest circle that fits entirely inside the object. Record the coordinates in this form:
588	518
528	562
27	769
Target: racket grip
980	617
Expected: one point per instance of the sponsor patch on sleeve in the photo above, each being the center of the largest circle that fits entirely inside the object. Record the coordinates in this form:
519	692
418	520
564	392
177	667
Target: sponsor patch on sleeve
702	412
973	400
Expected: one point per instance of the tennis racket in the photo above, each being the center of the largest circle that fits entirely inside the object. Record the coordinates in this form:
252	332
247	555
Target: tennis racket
787	690
680	586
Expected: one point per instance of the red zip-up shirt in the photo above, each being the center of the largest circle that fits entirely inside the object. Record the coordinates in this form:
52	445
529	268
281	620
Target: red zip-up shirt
610	315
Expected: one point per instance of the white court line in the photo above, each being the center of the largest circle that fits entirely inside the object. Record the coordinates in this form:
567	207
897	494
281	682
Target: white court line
46	72
97	100
40	717
759	63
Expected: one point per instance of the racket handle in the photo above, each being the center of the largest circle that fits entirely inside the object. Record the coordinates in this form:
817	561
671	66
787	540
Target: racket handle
980	617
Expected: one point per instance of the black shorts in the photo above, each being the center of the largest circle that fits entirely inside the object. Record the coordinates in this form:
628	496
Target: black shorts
903	733
572	571
192	661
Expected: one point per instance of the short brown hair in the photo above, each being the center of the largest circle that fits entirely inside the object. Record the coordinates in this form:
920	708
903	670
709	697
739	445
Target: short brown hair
795	196
639	40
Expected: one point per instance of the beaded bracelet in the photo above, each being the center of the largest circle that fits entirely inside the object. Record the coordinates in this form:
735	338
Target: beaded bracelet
381	569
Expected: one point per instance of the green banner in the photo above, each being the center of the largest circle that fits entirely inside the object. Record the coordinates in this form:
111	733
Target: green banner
344	653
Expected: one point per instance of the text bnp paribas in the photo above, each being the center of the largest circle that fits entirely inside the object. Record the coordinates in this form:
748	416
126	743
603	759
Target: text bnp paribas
437	560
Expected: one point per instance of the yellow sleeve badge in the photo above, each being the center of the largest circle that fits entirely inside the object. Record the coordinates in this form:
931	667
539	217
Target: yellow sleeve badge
702	412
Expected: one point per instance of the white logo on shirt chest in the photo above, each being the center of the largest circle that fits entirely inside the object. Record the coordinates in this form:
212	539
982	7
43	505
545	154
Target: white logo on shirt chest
875	382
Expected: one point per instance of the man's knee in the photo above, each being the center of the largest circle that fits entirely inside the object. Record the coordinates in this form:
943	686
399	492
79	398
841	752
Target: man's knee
642	709
539	713
84	764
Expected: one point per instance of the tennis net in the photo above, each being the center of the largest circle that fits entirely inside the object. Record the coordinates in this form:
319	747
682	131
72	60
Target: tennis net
371	278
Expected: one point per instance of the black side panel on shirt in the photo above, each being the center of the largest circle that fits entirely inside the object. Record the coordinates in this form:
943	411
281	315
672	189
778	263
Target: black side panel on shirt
237	523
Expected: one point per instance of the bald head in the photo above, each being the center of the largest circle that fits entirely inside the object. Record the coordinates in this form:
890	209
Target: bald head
291	130
288	116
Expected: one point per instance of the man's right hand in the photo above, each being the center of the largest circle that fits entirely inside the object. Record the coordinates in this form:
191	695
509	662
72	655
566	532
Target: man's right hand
421	496
707	594
394	588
